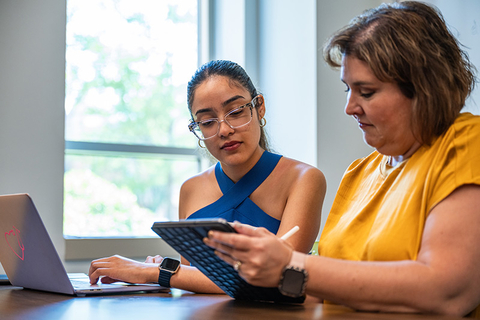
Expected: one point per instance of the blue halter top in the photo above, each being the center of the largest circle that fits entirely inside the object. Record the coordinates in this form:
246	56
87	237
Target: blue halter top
235	204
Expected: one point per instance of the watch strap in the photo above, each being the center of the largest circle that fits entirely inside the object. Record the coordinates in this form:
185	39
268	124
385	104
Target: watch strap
164	278
167	268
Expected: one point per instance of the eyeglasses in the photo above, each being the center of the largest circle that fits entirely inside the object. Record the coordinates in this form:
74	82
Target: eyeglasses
238	117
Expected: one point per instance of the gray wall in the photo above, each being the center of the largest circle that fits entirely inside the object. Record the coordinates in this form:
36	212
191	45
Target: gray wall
32	77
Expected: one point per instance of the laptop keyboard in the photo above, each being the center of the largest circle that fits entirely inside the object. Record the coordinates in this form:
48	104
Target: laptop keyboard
83	282
192	248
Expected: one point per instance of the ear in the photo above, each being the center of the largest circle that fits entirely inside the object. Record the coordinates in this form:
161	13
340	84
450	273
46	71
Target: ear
260	107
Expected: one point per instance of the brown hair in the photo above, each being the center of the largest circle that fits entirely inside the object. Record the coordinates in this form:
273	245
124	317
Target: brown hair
409	44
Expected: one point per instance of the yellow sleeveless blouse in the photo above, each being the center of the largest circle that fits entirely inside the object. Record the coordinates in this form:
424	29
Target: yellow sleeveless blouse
379	211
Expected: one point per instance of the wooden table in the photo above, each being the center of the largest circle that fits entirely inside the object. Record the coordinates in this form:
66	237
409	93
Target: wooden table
17	303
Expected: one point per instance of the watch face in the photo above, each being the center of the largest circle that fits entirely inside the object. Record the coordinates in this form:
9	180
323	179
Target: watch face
169	264
293	282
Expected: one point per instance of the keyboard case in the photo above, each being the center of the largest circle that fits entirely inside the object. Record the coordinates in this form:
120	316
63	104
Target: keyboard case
186	238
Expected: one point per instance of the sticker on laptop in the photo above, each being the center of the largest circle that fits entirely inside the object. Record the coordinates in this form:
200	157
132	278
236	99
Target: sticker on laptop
15	243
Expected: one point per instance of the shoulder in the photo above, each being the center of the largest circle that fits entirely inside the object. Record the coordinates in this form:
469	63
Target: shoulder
197	180
462	138
466	120
299	172
196	191
466	124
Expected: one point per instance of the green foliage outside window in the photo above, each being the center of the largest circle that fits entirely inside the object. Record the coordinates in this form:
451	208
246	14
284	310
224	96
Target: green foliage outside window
128	63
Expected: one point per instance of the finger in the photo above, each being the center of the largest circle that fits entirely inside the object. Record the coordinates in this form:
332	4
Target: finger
93	277
225	257
92	271
93	280
218	246
157	259
108	280
97	270
249	230
150	259
227	241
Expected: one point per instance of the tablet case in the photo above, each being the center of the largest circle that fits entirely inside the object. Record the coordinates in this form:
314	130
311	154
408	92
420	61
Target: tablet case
186	236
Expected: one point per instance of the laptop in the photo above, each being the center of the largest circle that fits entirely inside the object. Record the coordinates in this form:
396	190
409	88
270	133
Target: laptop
30	260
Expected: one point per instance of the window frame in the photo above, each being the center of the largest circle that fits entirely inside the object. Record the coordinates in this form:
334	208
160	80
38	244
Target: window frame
88	248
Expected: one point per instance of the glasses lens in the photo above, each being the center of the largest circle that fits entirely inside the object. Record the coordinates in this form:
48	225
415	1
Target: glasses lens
206	129
239	117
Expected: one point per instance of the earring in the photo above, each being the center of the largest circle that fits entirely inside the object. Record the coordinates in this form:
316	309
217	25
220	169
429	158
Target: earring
200	144
263	122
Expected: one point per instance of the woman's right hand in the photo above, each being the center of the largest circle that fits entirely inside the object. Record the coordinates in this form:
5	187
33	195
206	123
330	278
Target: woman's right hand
259	254
155	259
118	268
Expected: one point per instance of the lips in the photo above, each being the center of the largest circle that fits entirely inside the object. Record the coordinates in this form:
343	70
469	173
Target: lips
363	125
360	123
231	145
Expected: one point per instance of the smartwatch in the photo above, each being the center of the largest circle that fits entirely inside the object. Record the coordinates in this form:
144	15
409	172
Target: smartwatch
294	276
167	268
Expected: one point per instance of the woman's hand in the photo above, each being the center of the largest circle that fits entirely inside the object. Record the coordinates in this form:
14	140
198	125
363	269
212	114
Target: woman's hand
155	259
260	255
117	268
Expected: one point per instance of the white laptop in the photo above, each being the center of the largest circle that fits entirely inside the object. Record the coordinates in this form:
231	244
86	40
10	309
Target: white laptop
30	260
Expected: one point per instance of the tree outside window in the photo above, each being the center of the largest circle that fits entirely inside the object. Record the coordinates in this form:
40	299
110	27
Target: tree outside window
128	63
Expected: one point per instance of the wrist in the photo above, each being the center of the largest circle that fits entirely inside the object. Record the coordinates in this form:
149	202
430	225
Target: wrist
294	276
166	269
153	274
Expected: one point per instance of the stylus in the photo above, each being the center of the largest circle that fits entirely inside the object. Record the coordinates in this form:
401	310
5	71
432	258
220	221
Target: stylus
290	233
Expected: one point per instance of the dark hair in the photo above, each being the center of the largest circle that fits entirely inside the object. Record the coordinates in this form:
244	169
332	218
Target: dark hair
232	71
408	43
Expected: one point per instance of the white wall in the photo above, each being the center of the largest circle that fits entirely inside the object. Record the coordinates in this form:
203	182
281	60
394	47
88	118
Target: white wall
32	77
339	139
463	18
287	76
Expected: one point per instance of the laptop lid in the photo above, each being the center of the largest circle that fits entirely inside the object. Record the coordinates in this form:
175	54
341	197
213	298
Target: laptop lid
28	255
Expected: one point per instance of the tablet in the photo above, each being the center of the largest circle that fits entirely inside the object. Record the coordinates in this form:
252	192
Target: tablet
186	237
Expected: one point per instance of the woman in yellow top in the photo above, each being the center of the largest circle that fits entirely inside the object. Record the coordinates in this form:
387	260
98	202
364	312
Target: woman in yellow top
404	229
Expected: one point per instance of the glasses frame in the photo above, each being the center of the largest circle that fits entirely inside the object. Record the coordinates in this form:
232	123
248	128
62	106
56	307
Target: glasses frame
193	125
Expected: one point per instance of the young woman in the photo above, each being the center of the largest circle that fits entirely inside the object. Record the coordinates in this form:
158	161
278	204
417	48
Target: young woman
248	184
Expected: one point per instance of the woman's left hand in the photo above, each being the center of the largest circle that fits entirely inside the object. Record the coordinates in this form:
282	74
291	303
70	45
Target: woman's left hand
260	255
118	268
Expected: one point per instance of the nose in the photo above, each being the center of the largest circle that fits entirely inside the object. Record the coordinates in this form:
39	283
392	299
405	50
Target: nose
224	129
352	107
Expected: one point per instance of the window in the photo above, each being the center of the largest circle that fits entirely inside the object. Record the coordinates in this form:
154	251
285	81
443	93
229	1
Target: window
128	148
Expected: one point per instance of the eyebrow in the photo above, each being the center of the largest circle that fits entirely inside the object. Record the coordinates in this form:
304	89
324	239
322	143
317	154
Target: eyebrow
359	83
225	103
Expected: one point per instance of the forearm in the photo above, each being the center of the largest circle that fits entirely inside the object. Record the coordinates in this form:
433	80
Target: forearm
191	279
401	286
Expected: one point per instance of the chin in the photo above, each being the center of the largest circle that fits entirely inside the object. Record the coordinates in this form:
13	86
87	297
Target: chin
370	143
